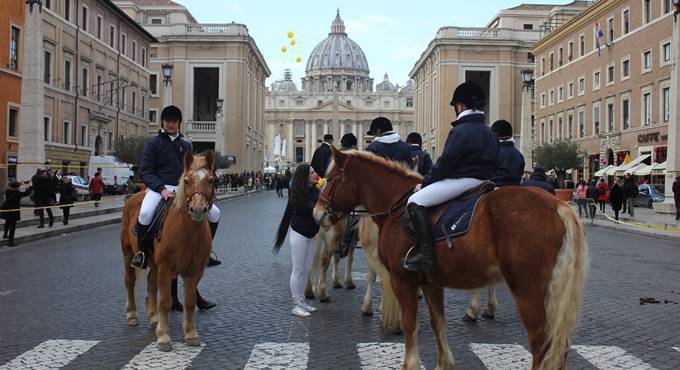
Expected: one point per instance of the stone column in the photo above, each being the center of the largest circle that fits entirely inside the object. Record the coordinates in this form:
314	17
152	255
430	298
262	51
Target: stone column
673	154
308	142
360	135
525	141
31	129
314	137
220	123
290	149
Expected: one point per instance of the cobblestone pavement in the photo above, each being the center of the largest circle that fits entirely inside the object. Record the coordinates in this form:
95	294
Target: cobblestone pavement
62	305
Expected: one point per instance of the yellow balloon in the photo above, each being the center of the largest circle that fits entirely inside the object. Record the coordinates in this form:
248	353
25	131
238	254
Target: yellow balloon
292	41
298	59
290	34
284	49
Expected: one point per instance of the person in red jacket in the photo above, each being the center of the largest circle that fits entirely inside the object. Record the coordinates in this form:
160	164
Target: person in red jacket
97	188
602	194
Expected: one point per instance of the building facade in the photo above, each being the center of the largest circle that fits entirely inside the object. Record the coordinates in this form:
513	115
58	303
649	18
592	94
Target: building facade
336	97
212	64
12	14
493	56
603	81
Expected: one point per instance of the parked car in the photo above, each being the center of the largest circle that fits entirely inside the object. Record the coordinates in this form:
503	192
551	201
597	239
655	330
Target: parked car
648	195
81	185
114	173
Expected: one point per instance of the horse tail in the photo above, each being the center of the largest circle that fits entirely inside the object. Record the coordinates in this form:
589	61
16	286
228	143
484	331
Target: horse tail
565	290
283	229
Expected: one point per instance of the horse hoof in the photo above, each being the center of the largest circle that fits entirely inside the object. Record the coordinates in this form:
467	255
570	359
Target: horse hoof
309	295
367	313
337	286
165	347
350	286
192	342
468	318
325	299
396	331
133	322
488	316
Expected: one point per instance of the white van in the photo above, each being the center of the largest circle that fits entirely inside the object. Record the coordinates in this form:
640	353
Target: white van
114	173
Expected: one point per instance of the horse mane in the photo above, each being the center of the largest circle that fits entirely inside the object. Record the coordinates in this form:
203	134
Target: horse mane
181	195
393	166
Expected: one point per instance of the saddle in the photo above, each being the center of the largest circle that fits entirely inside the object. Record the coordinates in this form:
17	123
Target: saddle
156	226
451	219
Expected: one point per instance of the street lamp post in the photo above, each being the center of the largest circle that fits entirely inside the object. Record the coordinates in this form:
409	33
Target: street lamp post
219	126
167	80
526	144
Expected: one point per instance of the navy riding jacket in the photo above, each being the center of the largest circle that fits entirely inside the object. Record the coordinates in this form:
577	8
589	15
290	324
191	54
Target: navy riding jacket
424	159
163	161
510	165
398	151
471	151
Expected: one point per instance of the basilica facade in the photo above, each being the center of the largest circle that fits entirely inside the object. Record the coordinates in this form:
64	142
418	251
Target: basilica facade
336	96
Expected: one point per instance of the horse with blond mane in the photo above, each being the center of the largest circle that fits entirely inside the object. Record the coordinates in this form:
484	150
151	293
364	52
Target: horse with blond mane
545	275
182	249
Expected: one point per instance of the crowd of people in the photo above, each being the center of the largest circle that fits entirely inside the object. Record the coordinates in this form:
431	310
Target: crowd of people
247	181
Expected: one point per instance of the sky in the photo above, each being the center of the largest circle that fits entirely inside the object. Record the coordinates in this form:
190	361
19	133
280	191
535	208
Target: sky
393	34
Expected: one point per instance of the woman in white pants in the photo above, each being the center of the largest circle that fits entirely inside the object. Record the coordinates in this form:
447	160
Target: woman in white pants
303	228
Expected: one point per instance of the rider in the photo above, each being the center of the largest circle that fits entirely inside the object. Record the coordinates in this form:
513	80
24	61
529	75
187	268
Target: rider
510	165
468	159
322	156
162	164
348	142
387	143
415	142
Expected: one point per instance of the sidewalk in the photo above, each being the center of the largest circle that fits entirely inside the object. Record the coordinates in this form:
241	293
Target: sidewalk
82	218
652	224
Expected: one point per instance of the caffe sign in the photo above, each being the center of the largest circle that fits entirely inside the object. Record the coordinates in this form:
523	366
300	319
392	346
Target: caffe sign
653	137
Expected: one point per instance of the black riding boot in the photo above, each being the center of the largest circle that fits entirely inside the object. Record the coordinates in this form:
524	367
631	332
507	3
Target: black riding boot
140	259
213	230
41	216
421	257
202	304
176	304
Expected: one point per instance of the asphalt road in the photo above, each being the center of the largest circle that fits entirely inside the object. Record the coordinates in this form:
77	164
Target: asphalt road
62	305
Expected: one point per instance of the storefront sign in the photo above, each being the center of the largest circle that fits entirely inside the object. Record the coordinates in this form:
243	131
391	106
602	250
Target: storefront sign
651	137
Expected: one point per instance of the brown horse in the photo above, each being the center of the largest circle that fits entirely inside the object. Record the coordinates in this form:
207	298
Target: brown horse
522	235
183	249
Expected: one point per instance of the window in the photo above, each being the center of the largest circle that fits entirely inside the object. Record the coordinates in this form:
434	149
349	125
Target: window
542	131
99	27
646	61
67	10
581	123
83	135
14	49
111	87
153	116
153	84
625	113
123	43
67	75
666	104
47	129
84	82
560	127
67	132
551	61
582	45
625	22
99	88
542	66
610	31
528	26
570	51
596	80
542	100
319	102
84	19
156	21
666	53
610	117
48	4
134	50
112	36
596	119
581	86
409	102
570	90
646	108
12	124
570	126
551	133
552	97
666	6
610	74
47	67
134	102
625	68
646	11
143	57
560	94
560	57
143	113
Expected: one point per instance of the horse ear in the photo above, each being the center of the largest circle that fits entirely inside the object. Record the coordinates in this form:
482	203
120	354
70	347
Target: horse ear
338	156
210	159
188	159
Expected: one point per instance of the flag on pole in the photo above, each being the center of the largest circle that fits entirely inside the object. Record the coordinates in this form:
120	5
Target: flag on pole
598	35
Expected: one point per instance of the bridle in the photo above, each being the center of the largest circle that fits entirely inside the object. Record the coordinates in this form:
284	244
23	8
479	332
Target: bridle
210	199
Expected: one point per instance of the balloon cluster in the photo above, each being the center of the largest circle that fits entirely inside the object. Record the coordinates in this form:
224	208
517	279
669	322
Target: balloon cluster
291	42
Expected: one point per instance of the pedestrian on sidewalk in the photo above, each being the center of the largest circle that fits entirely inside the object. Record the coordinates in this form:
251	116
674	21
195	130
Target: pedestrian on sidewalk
630	192
676	197
592	193
581	199
303	229
97	188
12	201
602	194
68	196
43	197
616	197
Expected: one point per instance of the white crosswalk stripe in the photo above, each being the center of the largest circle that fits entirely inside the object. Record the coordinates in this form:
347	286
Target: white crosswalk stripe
611	357
152	358
376	355
676	348
278	356
502	356
51	354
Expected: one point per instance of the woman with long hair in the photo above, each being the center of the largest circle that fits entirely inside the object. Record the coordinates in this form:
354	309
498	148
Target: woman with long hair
303	228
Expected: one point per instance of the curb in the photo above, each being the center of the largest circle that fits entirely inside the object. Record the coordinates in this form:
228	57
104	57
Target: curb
74	216
75	228
638	231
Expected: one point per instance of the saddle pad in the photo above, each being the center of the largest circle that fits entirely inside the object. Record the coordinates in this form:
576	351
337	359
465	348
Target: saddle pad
454	221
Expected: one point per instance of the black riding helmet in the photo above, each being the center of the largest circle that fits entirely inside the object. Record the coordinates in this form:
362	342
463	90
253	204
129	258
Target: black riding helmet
414	138
348	140
381	123
470	94
502	128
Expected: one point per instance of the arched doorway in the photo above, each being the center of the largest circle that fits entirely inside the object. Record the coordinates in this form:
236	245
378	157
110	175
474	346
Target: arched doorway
610	157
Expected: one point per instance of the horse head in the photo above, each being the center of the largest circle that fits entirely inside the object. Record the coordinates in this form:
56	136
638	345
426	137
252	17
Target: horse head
338	196
196	191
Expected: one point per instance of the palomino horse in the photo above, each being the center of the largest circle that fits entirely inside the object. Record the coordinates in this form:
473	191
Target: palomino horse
183	249
522	235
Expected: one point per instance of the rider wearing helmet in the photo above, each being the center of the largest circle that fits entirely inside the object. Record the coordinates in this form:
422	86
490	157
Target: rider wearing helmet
415	142
510	165
468	159
387	143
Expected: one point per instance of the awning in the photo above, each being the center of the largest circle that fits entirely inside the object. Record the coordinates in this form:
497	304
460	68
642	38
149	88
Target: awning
659	168
605	171
611	171
625	168
642	170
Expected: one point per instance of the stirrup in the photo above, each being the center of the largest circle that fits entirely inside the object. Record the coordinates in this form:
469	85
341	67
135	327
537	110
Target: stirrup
142	264
403	260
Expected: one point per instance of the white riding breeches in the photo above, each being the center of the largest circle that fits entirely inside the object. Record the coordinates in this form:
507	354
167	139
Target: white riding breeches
442	191
303	251
150	203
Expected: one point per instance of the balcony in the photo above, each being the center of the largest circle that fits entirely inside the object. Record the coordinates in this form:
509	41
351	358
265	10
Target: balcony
203	131
471	33
201	29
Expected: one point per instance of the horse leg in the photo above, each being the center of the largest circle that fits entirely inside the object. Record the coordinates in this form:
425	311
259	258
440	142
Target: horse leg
531	311
349	282
130	306
335	261
490	311
152	295
189	325
435	303
162	332
321	291
367	307
473	309
407	294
